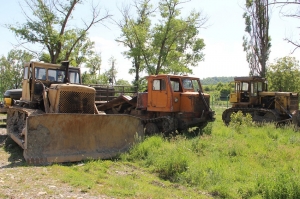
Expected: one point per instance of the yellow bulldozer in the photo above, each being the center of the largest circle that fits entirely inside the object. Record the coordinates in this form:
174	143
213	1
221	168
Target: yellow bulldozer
251	96
56	119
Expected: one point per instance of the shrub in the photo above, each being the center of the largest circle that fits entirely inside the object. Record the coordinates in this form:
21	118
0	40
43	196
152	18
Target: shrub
240	122
208	129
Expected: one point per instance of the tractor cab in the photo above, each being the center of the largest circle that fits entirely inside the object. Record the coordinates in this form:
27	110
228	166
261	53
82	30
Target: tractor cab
246	91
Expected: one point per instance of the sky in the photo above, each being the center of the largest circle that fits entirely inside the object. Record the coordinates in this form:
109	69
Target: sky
223	33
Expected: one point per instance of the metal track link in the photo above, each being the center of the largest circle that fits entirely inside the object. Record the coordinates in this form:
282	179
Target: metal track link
165	122
258	114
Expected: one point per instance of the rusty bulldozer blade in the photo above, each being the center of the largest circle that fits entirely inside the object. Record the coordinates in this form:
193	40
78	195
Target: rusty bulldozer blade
54	138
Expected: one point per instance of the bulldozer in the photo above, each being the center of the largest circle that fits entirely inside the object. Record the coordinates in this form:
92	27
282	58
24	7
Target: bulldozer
56	119
171	103
251	96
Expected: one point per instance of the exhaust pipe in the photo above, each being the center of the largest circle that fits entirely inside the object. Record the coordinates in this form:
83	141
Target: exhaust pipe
65	66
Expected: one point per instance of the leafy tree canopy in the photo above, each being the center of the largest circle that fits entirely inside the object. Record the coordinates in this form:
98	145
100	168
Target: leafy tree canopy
172	45
11	69
284	75
48	24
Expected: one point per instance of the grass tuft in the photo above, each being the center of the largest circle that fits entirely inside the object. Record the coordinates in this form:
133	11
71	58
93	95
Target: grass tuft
239	161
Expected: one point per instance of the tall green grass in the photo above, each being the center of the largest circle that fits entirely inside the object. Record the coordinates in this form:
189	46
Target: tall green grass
239	161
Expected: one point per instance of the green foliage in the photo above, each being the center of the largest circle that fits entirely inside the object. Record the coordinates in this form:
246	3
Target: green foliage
77	175
145	150
216	80
261	162
208	129
11	67
135	34
173	163
142	84
87	78
284	75
94	65
170	46
257	44
281	184
240	122
48	24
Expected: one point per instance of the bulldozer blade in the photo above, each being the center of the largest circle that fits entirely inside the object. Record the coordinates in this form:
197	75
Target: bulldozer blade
54	138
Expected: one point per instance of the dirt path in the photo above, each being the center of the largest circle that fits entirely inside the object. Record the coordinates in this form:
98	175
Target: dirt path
18	181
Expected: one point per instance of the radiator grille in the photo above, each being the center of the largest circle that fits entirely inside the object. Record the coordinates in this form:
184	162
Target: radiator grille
76	102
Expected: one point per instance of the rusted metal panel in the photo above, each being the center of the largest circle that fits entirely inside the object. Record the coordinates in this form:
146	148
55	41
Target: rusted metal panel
186	103
115	102
74	137
142	100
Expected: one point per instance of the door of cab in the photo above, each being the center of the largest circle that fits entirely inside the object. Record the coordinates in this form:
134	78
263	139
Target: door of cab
158	94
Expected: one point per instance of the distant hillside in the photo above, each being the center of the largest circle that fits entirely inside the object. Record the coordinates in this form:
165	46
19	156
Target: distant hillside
216	80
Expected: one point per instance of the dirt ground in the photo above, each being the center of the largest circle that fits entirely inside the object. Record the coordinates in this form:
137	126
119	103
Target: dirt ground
18	180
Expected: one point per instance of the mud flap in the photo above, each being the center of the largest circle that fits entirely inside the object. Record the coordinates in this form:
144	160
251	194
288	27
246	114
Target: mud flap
51	138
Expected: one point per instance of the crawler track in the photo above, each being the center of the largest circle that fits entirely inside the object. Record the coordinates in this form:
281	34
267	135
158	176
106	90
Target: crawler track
258	114
165	124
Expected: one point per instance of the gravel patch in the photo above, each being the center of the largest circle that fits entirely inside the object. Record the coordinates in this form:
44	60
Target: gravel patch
19	181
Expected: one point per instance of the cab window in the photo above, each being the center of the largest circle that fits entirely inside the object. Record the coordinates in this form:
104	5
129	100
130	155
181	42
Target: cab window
237	87
245	86
259	86
196	85
175	85
56	75
40	73
254	88
74	77
187	84
159	85
26	73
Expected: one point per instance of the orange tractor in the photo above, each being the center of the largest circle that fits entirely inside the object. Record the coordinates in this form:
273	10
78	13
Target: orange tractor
171	103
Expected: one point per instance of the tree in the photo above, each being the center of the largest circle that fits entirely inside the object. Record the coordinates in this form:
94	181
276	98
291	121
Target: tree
170	46
257	45
284	75
94	64
112	72
11	73
125	86
50	27
176	42
135	34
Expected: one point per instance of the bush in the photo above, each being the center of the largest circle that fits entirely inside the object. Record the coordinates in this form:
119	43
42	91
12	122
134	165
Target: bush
240	122
208	129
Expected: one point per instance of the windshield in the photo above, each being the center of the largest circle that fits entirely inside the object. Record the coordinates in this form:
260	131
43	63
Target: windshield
56	75
59	75
74	77
196	85
187	83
